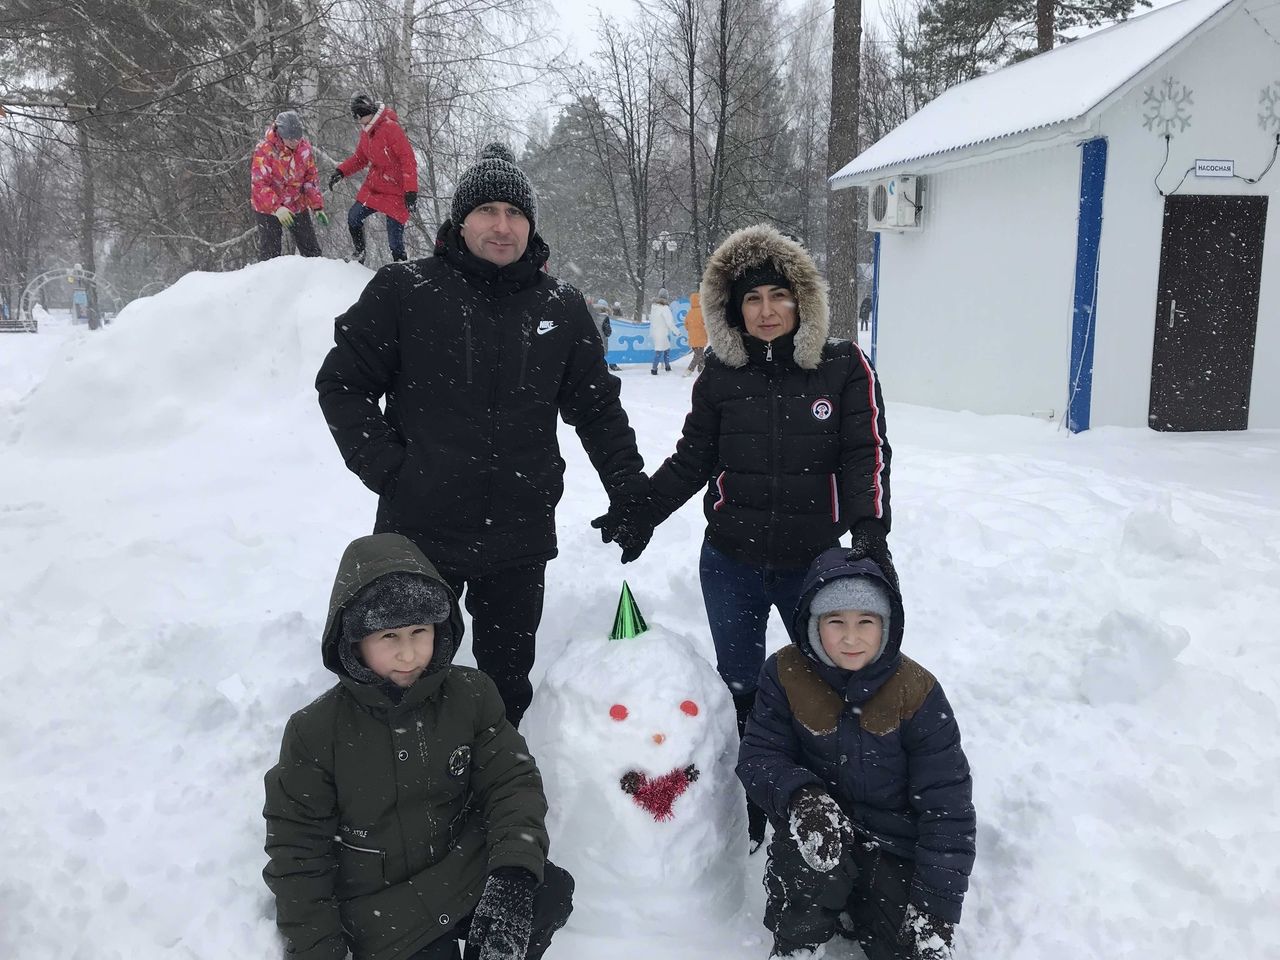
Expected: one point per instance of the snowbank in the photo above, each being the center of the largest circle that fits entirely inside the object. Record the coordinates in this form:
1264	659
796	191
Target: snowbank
1101	609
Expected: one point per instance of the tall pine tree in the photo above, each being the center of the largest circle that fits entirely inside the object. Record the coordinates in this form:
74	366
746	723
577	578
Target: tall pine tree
968	37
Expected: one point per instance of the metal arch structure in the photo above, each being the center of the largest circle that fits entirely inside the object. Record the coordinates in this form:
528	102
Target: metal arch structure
32	291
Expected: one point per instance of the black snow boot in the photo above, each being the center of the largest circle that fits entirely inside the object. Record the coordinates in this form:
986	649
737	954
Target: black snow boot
357	242
756	818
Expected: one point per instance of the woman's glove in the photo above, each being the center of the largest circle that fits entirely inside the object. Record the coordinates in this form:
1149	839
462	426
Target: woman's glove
870	540
411	200
334	178
925	936
630	524
285	216
819	828
503	920
322	218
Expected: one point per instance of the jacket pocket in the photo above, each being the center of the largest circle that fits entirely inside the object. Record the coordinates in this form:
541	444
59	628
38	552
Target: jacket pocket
835	499
361	870
719	485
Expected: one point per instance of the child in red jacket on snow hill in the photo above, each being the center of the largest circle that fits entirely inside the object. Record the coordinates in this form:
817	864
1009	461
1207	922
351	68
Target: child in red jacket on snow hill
285	187
391	187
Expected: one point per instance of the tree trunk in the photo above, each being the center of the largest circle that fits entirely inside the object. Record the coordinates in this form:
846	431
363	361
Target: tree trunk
404	55
698	253
87	221
1044	25
842	146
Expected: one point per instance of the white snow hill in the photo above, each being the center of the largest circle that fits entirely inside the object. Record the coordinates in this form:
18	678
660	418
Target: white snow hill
1101	608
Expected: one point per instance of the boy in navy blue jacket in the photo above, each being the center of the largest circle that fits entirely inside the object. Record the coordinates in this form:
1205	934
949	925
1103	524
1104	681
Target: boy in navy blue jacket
853	751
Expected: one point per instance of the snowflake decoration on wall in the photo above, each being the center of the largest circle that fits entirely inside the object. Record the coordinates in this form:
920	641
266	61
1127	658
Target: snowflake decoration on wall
1166	108
1269	107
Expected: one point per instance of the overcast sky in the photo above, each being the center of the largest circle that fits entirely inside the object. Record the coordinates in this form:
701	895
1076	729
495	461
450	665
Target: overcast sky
578	17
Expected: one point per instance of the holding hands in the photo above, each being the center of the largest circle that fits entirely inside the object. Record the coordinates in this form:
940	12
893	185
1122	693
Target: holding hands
630	524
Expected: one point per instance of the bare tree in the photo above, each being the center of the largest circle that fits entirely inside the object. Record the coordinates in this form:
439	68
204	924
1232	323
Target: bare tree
624	119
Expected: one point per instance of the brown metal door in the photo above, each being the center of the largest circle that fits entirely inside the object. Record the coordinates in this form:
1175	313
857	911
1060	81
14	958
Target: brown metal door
1206	312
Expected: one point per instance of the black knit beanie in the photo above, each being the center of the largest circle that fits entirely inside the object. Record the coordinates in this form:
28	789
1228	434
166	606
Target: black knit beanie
395	600
363	105
765	273
494	178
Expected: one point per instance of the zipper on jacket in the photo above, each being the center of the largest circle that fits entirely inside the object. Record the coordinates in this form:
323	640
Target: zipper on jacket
524	354
352	846
493	416
775	426
466	332
768	351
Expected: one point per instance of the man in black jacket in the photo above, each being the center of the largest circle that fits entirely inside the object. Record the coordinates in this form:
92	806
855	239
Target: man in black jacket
475	350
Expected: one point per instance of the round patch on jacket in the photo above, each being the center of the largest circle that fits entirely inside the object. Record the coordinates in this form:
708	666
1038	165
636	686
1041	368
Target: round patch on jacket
822	409
459	761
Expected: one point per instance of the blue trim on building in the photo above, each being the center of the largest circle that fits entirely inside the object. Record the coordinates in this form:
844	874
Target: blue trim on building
1093	175
875	294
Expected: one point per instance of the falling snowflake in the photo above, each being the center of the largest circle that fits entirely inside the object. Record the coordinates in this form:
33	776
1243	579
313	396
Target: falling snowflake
1269	107
1166	108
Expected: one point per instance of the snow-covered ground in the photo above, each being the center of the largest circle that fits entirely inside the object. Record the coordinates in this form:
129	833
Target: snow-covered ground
1102	609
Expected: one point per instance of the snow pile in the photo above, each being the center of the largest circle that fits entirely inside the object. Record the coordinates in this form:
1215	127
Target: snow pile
668	849
1100	608
209	343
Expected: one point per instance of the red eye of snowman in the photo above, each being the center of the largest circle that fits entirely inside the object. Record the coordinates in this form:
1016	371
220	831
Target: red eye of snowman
618	712
690	708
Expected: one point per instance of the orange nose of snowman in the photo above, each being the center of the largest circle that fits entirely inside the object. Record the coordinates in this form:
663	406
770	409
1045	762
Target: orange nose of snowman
659	738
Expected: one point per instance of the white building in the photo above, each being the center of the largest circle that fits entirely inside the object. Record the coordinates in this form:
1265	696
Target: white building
1088	237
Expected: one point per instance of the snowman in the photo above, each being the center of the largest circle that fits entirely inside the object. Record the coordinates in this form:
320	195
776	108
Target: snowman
636	740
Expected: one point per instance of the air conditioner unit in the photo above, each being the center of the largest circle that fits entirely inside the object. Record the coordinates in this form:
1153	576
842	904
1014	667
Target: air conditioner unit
896	204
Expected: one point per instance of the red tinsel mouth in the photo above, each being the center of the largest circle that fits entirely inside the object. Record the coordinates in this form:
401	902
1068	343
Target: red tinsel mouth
659	795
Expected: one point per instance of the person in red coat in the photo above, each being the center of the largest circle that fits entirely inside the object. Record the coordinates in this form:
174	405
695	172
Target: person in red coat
391	187
285	188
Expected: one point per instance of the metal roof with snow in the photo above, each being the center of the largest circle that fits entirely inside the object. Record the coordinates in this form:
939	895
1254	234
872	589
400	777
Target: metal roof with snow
1055	88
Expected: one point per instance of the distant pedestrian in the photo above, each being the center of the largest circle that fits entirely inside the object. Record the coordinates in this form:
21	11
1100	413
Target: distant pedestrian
604	324
662	330
391	187
285	188
864	314
696	329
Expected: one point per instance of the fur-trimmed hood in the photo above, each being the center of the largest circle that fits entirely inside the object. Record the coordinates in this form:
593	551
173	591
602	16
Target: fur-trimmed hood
750	247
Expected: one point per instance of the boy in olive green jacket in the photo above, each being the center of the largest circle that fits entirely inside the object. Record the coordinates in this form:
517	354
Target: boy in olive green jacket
405	812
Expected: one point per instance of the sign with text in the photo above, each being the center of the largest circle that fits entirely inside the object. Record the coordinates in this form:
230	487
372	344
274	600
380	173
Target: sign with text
1215	168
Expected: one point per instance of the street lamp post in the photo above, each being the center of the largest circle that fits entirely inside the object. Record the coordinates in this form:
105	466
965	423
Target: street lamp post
663	245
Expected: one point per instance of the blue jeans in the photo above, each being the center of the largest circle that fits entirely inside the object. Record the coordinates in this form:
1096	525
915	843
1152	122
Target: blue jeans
738	597
356	217
665	355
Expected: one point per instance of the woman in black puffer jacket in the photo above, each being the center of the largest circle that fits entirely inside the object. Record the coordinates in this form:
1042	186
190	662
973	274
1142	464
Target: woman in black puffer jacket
786	436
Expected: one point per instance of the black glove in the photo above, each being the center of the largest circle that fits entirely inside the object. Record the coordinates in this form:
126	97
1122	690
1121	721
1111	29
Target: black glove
819	828
871	541
925	936
503	920
411	200
629	524
606	328
334	178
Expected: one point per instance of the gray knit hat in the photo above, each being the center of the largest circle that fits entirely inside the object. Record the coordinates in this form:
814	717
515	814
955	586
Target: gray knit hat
850	593
394	600
494	178
289	125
